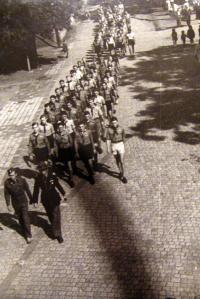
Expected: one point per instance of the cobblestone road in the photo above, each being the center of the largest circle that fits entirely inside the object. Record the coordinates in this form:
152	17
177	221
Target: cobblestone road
139	240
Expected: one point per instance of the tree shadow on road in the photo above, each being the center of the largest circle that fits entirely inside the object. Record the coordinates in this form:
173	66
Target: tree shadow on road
166	79
122	243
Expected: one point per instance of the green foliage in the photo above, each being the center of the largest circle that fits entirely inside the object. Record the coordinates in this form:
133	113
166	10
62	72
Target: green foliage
20	20
14	23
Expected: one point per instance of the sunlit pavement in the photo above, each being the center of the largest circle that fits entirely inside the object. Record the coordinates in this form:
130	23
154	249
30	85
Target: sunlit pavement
139	240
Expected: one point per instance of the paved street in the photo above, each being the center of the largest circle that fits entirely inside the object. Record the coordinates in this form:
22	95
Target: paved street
140	240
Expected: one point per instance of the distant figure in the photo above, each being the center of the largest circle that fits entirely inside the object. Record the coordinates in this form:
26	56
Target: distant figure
16	190
191	34
52	193
65	50
183	37
197	10
174	36
131	42
178	17
199	31
197	52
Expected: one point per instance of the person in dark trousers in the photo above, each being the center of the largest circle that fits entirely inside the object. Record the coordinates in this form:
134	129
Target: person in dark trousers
51	192
65	150
183	37
197	11
84	147
38	146
16	190
174	36
191	34
65	50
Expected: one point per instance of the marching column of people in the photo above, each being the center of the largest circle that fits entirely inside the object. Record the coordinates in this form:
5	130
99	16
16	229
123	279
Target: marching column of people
76	121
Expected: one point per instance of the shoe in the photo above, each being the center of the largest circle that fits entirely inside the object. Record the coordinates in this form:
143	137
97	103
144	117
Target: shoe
124	180
92	180
60	240
29	240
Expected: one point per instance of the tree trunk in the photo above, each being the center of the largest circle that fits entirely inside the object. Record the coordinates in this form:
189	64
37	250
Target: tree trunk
57	35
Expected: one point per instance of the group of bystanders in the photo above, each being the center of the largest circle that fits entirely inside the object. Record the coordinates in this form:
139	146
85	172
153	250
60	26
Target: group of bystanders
76	121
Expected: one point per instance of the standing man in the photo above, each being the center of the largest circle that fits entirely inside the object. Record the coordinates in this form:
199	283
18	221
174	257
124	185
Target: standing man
191	34
38	145
65	49
131	42
48	130
65	149
50	197
115	141
174	36
16	190
84	147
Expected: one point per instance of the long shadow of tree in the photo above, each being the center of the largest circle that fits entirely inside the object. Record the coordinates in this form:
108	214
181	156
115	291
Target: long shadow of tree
167	78
125	249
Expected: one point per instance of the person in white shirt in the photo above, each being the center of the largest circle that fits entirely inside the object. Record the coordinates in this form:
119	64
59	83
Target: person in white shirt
131	42
99	101
48	130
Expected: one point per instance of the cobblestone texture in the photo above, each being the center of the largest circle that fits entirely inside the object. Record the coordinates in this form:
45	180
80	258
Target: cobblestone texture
139	240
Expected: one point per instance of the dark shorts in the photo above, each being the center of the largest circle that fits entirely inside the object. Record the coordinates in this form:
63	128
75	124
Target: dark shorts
66	154
41	154
119	45
95	136
111	47
131	42
86	152
109	105
98	49
51	141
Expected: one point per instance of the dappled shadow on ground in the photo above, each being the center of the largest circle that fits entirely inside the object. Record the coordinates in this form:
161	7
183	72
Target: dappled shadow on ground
166	79
46	61
10	67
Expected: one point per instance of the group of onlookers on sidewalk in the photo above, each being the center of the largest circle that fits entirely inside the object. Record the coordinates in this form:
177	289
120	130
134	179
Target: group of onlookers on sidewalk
76	121
190	35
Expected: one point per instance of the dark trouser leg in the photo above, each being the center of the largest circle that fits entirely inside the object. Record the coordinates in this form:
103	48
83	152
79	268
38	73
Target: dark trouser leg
74	166
56	223
54	216
95	161
133	49
68	169
88	167
24	221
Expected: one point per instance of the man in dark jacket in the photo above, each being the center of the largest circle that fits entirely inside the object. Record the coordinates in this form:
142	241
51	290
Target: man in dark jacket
191	34
51	189
16	190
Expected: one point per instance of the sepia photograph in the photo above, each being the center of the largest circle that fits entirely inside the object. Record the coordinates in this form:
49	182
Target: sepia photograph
99	149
